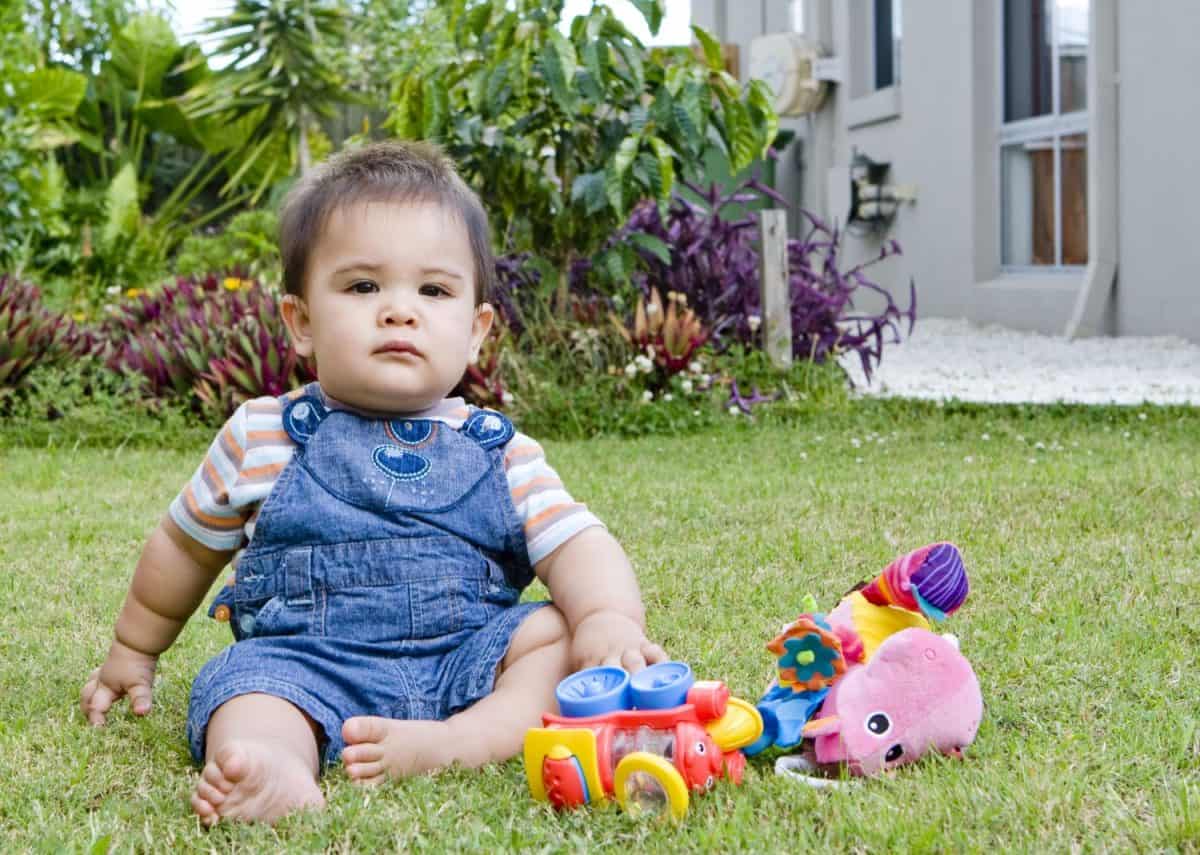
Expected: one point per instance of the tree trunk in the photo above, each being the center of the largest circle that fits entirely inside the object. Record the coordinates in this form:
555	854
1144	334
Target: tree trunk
305	156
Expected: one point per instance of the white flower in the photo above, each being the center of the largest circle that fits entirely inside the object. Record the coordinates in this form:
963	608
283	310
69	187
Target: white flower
1141	417
508	398
754	322
642	364
804	455
113	290
647	396
705	379
630	370
695	367
1127	434
858	460
968	459
668	397
1033	460
986	437
1040	446
686	385
733	409
856	442
697	412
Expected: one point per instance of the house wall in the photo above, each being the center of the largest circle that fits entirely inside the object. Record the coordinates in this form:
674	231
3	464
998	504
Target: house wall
1158	136
938	130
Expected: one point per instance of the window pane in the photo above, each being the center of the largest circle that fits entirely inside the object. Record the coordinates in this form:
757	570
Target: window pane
1027	59
887	43
797	16
1071	30
1027	184
1074	200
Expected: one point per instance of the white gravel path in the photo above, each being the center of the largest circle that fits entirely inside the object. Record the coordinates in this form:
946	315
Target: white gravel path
947	359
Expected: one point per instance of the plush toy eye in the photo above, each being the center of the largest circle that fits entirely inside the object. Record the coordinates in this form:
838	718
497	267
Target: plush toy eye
878	723
701	748
894	753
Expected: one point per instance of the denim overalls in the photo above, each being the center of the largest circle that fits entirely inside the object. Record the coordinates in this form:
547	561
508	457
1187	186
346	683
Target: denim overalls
383	575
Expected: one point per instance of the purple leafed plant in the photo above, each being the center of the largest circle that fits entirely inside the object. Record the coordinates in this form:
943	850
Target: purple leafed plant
714	261
218	341
31	334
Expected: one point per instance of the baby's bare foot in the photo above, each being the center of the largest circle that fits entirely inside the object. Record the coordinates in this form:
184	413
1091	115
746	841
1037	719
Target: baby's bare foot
379	748
254	780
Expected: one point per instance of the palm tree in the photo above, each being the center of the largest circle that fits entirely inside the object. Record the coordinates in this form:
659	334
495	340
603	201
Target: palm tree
277	76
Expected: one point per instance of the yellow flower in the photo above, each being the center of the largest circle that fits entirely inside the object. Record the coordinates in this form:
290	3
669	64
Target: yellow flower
79	316
133	293
232	283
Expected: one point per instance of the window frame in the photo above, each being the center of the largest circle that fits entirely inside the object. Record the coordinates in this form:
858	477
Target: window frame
870	103
1054	125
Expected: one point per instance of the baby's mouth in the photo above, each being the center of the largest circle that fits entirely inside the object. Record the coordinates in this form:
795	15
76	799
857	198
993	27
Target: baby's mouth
399	347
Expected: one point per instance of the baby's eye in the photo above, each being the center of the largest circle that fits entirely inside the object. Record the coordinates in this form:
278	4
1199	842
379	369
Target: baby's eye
432	289
364	286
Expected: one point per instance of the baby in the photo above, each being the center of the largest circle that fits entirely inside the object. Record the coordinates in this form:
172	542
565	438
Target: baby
386	531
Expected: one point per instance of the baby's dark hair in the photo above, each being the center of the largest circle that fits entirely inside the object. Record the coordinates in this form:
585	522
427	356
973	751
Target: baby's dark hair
393	171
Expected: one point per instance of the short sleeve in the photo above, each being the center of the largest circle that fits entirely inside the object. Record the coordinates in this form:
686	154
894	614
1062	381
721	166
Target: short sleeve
550	516
203	508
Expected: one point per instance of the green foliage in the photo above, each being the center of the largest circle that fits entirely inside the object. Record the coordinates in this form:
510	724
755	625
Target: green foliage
247	245
573	379
82	402
281	75
563	135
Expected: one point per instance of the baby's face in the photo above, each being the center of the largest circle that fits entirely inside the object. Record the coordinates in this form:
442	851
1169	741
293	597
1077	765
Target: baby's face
389	306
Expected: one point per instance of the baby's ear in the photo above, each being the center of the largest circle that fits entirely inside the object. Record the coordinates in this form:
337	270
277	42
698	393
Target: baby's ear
295	318
484	315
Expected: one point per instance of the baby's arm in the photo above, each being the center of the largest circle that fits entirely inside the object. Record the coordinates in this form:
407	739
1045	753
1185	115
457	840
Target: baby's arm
171	578
593	585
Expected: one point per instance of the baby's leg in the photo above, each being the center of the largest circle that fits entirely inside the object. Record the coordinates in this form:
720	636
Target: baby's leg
261	761
491	729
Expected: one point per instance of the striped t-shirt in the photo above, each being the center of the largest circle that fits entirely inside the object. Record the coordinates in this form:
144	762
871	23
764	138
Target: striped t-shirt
219	505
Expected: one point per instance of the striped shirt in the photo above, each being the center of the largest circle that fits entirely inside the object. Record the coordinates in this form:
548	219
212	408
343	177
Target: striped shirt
220	504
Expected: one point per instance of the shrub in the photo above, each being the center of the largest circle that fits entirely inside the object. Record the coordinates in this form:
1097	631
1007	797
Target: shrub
714	261
216	342
246	246
32	335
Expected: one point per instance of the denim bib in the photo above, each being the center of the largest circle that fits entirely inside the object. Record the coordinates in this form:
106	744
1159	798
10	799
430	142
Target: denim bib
385	531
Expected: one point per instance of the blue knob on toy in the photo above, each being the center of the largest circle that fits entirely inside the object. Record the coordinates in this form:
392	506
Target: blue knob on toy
661	686
593	691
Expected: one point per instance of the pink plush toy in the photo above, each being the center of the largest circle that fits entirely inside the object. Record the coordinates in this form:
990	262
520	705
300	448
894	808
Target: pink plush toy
869	683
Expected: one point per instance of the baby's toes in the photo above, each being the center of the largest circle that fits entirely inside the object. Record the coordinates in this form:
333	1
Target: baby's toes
366	772
205	799
365	729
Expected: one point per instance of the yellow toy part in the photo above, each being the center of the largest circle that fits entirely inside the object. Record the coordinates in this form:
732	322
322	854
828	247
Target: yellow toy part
560	743
740	726
875	624
645	783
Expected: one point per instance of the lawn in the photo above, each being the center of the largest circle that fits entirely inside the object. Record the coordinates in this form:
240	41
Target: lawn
1078	526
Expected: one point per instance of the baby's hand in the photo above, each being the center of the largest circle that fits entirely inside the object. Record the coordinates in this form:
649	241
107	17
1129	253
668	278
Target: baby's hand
612	638
125	672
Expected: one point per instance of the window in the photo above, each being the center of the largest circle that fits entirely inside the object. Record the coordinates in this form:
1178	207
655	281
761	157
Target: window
797	16
1043	135
886	30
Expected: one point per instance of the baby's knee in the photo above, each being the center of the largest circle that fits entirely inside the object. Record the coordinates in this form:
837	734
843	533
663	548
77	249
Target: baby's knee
545	628
551	626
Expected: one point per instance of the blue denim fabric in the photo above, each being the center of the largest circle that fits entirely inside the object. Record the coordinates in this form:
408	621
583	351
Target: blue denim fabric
383	577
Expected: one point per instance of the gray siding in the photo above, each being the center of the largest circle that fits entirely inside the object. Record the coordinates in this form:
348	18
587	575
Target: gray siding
943	139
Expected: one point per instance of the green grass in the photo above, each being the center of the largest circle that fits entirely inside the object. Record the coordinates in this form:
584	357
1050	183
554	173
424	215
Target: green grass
1079	527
